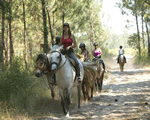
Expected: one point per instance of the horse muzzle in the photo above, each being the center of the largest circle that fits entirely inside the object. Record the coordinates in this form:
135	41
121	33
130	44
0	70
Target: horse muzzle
37	74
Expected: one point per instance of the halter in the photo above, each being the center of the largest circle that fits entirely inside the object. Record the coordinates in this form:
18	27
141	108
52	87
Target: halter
58	64
42	70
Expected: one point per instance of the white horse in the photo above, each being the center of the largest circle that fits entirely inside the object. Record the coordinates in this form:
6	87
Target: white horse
65	76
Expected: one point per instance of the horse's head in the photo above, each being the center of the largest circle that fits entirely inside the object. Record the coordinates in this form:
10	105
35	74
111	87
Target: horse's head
81	57
41	64
55	57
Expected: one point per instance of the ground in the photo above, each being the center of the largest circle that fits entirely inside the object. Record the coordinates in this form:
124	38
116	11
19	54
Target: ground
125	95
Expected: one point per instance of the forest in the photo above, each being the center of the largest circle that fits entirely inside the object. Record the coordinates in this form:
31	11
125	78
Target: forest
30	27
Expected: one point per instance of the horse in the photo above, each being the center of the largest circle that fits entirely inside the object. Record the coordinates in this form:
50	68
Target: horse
89	79
41	69
81	57
100	76
65	76
121	62
90	75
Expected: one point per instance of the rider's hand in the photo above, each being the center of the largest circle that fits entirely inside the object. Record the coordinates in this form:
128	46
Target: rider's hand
98	55
68	47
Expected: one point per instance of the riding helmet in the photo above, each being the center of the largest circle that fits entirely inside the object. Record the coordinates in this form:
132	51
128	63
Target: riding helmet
65	24
120	46
95	44
58	39
82	45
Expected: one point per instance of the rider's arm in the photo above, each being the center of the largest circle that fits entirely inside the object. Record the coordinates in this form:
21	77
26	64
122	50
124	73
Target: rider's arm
73	41
123	51
93	54
100	51
88	55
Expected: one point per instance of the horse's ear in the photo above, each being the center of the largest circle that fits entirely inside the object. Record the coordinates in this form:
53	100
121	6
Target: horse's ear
45	55
48	57
61	47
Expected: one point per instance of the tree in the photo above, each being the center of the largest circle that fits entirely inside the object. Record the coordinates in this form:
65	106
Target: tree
10	32
44	27
2	40
25	33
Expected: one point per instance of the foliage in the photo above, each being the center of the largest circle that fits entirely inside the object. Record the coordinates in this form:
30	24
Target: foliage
144	61
133	41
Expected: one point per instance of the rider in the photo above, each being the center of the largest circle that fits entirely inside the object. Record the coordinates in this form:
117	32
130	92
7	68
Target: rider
121	52
57	40
97	52
84	52
69	42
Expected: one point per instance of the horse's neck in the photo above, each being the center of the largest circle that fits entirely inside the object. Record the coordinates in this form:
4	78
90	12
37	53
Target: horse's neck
65	66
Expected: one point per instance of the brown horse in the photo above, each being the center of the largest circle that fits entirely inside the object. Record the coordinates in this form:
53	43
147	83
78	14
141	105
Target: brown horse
81	57
121	62
41	69
90	75
100	76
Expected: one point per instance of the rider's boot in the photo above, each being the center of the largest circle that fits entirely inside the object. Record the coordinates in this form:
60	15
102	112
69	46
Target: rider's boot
79	79
117	60
125	60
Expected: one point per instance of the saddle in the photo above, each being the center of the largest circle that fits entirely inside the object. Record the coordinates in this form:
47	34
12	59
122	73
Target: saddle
72	62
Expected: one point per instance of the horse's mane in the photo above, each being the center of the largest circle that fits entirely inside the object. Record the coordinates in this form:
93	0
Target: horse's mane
55	48
40	57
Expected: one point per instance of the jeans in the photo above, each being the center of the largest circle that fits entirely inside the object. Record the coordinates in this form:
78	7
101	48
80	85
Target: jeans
71	54
103	63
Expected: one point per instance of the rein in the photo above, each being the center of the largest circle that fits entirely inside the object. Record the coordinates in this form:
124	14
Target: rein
58	64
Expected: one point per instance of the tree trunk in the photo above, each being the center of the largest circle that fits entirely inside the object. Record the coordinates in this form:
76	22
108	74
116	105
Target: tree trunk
137	25
50	27
31	49
6	46
25	40
44	27
147	31
2	40
10	35
63	15
143	27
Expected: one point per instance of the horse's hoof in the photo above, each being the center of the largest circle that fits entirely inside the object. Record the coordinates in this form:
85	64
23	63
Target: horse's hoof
67	115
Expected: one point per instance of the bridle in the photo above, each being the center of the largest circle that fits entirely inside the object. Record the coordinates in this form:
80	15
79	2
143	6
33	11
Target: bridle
58	64
42	68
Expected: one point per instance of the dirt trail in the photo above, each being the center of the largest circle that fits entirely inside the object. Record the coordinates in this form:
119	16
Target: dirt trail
125	95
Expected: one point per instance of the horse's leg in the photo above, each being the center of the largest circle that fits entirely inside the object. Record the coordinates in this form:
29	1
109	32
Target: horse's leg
50	85
83	90
102	77
52	90
62	100
79	94
96	85
99	84
92	92
67	99
87	92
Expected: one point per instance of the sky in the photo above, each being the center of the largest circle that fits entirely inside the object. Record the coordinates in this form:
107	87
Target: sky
113	18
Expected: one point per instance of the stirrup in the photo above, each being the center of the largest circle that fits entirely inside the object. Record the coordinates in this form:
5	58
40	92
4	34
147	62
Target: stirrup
79	79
